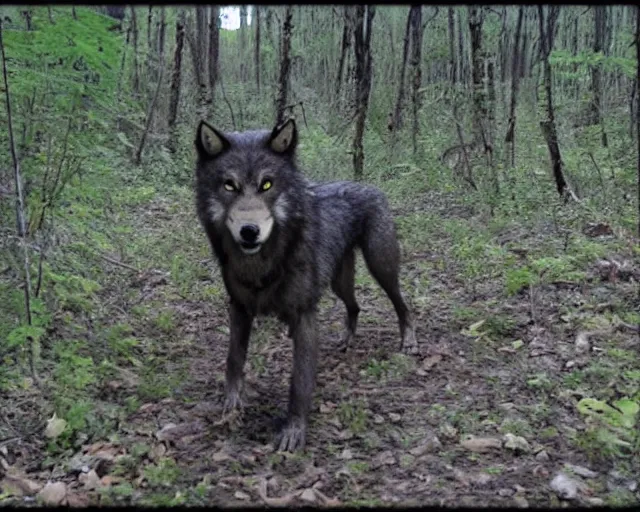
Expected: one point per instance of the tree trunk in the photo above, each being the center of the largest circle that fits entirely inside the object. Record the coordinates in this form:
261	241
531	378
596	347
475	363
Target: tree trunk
477	59
134	33
214	48
515	84
600	13
463	75
362	46
150	113
243	43
201	40
285	65
50	12
162	32
548	125
397	115
416	57
256	58
452	52
73	13
344	50
176	77
201	85
149	25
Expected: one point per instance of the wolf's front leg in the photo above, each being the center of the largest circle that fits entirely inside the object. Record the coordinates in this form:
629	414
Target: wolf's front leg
240	327
303	381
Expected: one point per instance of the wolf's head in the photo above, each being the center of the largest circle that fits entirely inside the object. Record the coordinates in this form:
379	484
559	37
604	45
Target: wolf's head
243	180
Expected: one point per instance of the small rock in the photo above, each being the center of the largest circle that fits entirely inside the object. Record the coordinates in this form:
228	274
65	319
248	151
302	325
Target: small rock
565	487
241	495
521	502
480	479
91	480
308	495
516	443
18	485
221	456
448	431
431	445
582	471
519	489
569	364
481	444
157	452
505	493
386	458
53	493
78	500
378	420
346	454
596	502
394	417
542	456
162	433
582	343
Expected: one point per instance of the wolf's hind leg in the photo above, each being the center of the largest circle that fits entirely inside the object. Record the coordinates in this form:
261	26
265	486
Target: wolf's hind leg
240	327
382	254
343	287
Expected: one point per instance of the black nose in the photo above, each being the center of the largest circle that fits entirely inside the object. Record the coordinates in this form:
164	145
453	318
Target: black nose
249	233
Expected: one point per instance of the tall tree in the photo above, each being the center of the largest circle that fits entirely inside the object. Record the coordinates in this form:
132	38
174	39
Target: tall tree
214	48
397	113
134	34
362	46
416	58
256	57
515	84
600	21
285	65
201	38
452	48
176	78
548	125
476	18
243	43
344	49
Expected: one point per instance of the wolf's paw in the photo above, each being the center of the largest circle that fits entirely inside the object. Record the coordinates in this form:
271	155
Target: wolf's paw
345	341
409	343
233	402
293	437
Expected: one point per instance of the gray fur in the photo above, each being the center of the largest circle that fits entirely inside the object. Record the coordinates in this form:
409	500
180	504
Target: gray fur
316	229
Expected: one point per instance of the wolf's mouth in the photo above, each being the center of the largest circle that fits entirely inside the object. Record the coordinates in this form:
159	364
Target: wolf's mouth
250	248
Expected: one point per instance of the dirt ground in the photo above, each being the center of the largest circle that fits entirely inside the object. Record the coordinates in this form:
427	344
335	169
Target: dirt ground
482	417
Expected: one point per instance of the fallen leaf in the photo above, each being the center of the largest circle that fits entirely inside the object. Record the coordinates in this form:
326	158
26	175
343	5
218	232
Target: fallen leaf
55	427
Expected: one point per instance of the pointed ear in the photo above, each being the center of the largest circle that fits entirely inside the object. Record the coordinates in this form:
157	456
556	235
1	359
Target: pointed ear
284	138
209	141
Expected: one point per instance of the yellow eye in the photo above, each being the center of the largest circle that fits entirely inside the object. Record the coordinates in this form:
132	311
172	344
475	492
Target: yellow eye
266	185
228	185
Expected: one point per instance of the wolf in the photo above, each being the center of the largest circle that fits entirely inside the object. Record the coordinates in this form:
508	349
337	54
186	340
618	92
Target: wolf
280	241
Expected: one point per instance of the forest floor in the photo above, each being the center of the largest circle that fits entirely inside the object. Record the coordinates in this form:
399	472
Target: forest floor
523	332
